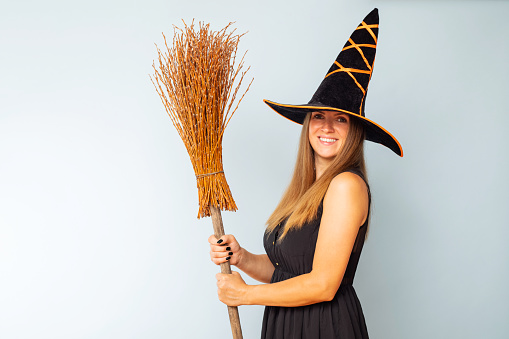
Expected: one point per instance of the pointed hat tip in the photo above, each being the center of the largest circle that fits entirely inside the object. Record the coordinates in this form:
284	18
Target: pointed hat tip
373	15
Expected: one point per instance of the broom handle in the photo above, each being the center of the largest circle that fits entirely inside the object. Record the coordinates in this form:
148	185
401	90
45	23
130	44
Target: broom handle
233	312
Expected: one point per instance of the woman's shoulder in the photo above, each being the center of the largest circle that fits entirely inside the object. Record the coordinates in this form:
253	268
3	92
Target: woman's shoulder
351	192
349	182
347	185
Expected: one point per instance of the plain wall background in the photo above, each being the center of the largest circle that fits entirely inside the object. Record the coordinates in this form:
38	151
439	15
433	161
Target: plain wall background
98	202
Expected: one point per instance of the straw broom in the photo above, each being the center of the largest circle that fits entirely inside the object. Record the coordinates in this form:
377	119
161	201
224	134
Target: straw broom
195	79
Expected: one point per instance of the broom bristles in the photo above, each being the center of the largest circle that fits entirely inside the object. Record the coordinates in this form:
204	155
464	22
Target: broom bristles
198	80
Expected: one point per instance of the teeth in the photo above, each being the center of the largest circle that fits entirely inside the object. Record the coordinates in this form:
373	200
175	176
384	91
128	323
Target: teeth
328	140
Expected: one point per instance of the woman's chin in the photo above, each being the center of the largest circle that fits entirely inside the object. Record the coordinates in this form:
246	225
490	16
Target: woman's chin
326	157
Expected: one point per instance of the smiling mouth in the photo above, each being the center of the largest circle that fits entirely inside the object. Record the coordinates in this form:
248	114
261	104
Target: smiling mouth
328	140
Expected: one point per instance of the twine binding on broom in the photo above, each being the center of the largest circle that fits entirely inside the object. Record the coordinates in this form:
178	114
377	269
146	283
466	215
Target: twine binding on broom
199	176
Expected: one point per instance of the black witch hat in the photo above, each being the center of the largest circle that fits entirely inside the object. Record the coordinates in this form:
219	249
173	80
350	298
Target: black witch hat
346	83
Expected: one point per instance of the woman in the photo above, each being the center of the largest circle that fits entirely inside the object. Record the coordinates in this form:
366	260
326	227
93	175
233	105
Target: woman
315	235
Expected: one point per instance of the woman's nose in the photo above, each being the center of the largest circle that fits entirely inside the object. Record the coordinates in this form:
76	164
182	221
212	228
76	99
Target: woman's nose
327	125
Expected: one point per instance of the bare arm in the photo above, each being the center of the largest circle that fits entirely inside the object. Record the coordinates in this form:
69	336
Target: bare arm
345	209
257	266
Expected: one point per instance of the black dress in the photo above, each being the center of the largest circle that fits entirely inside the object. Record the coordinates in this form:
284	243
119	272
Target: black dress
341	317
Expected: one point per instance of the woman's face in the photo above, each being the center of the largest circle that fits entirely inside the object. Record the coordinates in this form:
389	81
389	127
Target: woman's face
327	133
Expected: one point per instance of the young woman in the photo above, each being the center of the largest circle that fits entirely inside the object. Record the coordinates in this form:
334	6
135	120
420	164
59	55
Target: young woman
315	235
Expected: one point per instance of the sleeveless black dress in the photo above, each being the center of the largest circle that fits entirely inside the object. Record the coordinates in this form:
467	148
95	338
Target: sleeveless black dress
340	318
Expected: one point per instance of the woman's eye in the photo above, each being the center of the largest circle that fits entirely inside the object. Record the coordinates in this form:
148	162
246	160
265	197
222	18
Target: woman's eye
317	116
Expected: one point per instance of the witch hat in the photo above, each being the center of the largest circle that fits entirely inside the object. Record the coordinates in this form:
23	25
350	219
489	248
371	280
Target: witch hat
345	85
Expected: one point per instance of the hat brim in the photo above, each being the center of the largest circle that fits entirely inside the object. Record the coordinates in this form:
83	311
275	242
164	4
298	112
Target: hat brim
374	132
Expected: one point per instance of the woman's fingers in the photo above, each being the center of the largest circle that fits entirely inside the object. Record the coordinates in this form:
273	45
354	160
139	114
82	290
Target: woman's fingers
225	239
212	239
224	249
231	288
223	256
220	254
225	243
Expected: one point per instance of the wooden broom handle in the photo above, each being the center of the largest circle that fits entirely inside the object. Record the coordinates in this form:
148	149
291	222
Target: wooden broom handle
233	311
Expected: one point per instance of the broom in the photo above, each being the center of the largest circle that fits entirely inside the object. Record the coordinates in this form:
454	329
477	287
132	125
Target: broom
195	79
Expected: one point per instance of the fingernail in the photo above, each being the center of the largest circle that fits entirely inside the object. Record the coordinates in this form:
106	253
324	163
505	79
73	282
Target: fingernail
228	258
228	248
230	253
220	241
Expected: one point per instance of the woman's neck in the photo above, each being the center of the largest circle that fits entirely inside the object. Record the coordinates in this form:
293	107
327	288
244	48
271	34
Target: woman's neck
320	166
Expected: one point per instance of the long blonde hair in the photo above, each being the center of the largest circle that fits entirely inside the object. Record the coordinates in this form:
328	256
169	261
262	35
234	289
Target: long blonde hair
304	194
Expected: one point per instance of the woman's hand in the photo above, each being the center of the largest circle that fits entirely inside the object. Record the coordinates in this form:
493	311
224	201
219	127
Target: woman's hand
225	249
231	289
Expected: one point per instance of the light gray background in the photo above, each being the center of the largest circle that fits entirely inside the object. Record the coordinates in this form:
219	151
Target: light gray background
98	202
